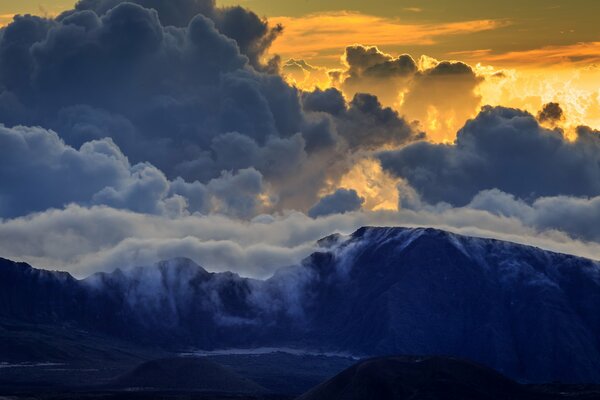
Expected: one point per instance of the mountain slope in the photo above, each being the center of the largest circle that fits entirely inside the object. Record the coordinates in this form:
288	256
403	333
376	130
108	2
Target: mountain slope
529	313
187	374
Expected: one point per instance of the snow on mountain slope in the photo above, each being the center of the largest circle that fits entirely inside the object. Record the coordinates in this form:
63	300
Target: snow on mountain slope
526	312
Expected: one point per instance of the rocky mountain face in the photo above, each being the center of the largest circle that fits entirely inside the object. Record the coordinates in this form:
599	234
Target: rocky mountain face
528	313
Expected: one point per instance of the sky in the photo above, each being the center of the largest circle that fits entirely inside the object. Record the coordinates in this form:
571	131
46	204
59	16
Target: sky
239	133
506	31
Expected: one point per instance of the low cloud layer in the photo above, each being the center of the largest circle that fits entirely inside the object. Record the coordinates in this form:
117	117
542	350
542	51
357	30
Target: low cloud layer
575	215
84	240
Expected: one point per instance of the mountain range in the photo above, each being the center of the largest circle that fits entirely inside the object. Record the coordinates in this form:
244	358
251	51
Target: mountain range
528	313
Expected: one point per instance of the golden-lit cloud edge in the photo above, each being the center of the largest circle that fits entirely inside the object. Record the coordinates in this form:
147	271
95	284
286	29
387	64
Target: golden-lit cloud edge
5	19
577	54
314	34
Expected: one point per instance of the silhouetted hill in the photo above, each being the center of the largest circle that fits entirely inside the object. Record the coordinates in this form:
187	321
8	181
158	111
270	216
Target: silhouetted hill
187	374
416	378
432	378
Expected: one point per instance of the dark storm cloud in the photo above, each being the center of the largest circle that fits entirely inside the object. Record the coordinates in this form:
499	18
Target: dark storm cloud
339	202
551	113
505	149
368	124
364	122
252	34
370	62
176	87
186	98
39	171
329	100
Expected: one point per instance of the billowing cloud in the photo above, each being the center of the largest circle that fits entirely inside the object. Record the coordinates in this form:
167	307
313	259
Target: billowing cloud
339	202
440	95
443	97
505	149
371	71
39	171
364	122
184	92
252	34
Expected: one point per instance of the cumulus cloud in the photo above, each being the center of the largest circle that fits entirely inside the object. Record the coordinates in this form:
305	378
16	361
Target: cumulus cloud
339	202
372	71
179	85
441	95
39	171
252	34
505	149
329	100
364	122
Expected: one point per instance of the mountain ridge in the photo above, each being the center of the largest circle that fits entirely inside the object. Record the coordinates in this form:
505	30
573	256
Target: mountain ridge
529	313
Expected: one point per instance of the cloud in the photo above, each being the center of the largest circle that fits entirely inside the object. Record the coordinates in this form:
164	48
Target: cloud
182	93
440	95
364	122
529	89
304	75
315	35
584	53
329	100
39	171
551	113
339	202
505	149
139	131
368	124
443	97
577	216
5	19
83	240
252	34
369	70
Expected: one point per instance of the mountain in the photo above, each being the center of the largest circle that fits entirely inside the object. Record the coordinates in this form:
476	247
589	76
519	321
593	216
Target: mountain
528	313
186	374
